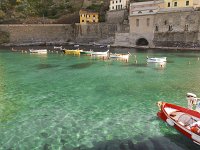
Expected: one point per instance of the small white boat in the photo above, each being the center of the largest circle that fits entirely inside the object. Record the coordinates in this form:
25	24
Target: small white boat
156	59
121	56
38	51
101	53
58	47
76	45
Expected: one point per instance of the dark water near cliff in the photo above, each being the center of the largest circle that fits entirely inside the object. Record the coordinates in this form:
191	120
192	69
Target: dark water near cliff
58	101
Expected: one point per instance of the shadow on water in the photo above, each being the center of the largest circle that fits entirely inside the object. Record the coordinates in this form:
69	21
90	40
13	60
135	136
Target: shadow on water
186	55
45	66
168	142
136	65
81	66
140	72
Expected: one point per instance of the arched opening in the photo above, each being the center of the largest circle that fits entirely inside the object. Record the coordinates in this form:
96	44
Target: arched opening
142	42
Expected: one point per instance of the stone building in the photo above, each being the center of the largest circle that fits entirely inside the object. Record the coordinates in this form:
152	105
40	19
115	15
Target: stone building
177	28
154	25
182	3
118	11
118	4
141	20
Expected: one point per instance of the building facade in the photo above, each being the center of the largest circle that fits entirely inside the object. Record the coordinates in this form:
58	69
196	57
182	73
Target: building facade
118	4
87	16
181	3
141	21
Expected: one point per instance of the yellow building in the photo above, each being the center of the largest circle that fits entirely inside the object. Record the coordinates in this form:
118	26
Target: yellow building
181	3
88	16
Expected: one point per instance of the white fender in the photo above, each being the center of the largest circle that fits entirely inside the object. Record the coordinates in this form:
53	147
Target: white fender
170	122
195	137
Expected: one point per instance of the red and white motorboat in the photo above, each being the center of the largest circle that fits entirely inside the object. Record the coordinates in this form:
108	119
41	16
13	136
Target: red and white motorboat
185	120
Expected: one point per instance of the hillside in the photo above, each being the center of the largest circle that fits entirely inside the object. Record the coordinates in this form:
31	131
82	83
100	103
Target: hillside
47	11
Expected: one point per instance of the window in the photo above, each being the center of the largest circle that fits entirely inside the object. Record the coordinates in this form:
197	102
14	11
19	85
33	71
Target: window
150	10
113	7
137	22
116	1
148	21
83	21
186	27
113	2
139	12
175	4
187	3
168	5
156	29
165	22
170	28
119	6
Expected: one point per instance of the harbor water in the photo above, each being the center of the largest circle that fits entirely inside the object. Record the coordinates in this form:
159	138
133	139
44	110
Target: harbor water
65	102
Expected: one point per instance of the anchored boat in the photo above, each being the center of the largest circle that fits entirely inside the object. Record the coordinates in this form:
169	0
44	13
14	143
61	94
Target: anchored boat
185	120
156	59
38	51
72	52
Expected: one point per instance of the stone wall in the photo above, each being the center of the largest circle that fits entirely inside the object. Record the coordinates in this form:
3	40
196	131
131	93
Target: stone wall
39	33
62	33
177	29
101	33
116	16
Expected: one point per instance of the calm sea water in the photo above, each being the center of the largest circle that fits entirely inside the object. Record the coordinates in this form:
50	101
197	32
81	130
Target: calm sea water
58	101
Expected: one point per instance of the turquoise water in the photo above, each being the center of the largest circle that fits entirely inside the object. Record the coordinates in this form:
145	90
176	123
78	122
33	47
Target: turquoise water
58	101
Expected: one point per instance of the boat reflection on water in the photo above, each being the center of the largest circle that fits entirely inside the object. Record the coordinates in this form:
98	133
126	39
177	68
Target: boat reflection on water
158	66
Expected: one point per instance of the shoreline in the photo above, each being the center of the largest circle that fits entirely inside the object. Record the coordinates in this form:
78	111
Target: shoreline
87	44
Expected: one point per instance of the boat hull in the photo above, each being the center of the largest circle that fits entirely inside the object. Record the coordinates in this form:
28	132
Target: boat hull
101	53
186	130
72	52
157	60
122	56
40	51
86	52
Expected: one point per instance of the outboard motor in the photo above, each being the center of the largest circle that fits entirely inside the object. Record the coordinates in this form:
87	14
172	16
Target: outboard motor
192	100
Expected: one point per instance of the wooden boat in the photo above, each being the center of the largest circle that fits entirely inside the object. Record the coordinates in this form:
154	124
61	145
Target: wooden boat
86	52
58	47
38	51
122	56
72	52
101	53
156	59
185	120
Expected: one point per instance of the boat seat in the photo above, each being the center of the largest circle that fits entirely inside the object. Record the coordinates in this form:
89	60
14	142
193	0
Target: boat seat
170	110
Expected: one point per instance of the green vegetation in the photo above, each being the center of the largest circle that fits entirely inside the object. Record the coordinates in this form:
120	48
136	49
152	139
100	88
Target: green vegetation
34	11
4	37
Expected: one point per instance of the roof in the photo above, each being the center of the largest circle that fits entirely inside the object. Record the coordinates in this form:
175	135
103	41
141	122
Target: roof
87	11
